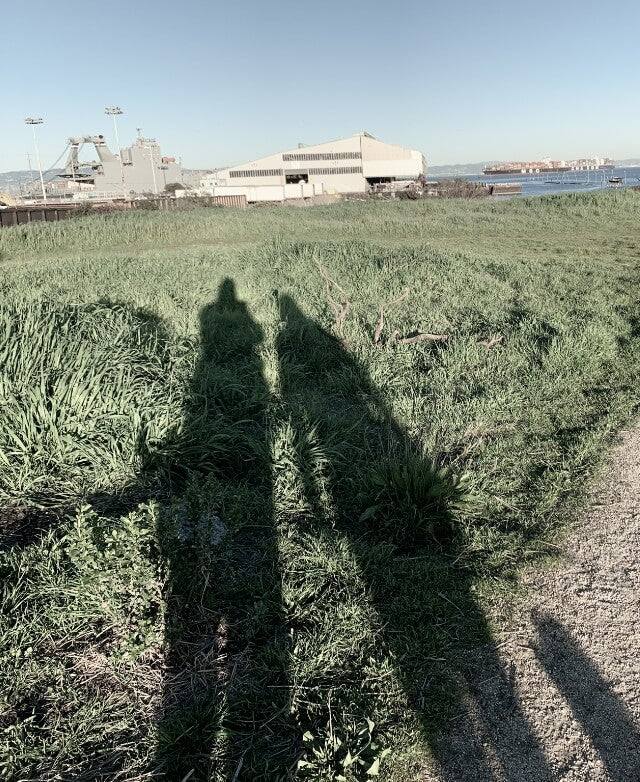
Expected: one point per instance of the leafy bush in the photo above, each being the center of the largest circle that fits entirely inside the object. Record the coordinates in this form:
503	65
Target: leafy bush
461	188
171	187
115	564
352	755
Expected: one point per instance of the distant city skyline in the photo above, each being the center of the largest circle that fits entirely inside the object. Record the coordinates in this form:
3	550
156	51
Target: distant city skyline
218	84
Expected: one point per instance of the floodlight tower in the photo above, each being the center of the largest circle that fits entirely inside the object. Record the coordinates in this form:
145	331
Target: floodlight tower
114	111
153	169
33	121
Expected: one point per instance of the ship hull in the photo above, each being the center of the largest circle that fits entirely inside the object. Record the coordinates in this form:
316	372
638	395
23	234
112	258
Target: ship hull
523	172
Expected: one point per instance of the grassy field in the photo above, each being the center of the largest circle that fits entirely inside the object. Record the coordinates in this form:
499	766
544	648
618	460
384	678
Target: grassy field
242	538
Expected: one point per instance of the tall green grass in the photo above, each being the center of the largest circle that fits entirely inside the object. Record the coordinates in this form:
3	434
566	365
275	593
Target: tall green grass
319	521
389	221
86	394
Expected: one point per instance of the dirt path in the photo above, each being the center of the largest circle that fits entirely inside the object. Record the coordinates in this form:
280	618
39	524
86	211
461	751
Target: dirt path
558	698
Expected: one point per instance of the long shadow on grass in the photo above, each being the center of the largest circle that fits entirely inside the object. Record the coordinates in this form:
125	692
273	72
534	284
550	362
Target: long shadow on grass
367	483
224	711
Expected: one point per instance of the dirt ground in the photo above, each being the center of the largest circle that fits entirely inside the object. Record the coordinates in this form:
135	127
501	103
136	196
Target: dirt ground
20	526
558	696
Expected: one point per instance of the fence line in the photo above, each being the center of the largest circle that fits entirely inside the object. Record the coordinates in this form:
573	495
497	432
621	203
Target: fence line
51	213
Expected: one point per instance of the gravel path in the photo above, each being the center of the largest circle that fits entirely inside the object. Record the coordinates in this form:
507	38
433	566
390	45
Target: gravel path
558	697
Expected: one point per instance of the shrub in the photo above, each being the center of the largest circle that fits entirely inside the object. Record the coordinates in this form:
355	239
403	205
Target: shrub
461	188
412	502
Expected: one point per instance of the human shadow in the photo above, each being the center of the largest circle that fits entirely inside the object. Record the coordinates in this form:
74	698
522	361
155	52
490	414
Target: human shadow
225	641
601	713
395	508
491	739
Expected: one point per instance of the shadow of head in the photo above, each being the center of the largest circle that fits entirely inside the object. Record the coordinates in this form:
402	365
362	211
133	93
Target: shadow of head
228	332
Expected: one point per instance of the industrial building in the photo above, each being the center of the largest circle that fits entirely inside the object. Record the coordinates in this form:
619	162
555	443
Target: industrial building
349	165
141	168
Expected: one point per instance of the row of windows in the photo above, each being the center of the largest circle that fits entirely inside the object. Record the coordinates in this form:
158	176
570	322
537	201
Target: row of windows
342	170
322	156
311	171
257	172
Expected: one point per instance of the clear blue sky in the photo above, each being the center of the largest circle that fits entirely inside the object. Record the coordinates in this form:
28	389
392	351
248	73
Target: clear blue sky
223	82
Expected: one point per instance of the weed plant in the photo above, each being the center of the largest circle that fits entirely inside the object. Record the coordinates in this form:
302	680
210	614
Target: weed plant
239	543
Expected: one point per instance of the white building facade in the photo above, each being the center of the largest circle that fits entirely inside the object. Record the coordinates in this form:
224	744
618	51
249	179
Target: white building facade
349	165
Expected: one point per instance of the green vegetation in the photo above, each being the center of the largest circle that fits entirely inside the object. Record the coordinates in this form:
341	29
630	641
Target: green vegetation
242	541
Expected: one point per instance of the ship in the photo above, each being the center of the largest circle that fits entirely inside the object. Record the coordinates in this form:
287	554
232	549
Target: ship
541	167
549	166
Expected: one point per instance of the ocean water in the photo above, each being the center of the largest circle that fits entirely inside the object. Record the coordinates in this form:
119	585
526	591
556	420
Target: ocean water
565	182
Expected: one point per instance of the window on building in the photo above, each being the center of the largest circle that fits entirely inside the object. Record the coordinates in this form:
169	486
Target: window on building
305	156
295	179
256	172
337	170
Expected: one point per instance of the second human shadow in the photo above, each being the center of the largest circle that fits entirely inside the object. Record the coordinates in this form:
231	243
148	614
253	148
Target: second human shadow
396	511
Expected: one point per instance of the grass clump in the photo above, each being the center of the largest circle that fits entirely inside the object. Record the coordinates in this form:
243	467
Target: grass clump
86	395
412	503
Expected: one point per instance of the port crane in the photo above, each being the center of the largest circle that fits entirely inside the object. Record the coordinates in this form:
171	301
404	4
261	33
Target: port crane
77	171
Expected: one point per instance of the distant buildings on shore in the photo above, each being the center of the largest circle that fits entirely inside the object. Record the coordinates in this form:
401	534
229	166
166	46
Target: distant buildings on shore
355	164
134	171
352	165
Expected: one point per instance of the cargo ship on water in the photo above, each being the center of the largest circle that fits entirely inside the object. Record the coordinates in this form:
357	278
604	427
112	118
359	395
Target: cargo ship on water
550	166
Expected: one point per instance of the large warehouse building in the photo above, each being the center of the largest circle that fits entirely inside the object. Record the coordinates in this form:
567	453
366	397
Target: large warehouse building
349	165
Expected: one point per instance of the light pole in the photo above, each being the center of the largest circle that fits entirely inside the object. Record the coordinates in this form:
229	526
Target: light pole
33	122
114	111
153	169
33	181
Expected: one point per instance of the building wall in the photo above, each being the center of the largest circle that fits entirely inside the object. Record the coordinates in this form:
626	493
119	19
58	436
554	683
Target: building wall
341	183
388	160
261	193
141	162
109	180
340	166
392	168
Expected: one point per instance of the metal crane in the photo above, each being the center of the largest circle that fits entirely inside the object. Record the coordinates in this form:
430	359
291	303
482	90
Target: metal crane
74	169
